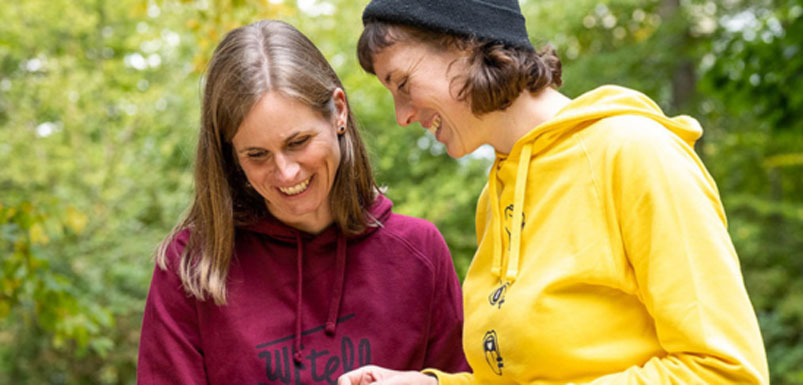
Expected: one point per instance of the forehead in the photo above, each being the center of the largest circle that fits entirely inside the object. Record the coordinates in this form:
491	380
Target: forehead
406	56
275	118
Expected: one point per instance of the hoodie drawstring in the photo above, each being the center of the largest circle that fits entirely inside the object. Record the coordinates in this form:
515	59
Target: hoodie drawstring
496	266
337	285
518	207
337	292
516	222
299	282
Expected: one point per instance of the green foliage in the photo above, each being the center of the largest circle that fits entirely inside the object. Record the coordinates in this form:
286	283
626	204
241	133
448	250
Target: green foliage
99	109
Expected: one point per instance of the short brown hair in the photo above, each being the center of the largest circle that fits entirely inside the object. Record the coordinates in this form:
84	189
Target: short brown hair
497	73
250	61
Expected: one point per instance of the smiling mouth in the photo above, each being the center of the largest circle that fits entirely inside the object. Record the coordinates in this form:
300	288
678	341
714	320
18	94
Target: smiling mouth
436	124
297	189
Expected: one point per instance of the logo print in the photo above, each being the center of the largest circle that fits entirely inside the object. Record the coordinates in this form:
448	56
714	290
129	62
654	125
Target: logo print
497	297
490	345
508	218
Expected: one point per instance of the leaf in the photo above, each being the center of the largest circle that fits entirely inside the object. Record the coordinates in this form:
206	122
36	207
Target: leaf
37	234
76	220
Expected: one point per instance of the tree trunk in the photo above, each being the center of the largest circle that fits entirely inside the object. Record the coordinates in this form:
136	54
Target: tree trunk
684	78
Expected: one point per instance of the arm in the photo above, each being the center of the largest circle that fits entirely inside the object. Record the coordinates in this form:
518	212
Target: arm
445	343
169	349
674	234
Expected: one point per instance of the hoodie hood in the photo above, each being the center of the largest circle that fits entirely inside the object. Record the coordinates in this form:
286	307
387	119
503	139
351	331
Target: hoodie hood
275	229
329	238
600	103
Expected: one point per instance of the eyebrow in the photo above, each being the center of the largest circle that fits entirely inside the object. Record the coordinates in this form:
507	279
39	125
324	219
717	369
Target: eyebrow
410	70
249	149
288	139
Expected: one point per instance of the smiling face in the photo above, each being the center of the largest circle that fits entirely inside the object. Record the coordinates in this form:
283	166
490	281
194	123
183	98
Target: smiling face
419	78
290	154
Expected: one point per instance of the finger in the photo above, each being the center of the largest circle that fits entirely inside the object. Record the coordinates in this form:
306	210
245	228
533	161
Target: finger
405	378
351	378
359	376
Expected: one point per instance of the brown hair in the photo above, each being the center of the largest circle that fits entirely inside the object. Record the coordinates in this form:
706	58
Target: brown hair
250	61
497	74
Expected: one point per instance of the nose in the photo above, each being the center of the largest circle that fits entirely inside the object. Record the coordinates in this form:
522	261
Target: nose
286	168
405	113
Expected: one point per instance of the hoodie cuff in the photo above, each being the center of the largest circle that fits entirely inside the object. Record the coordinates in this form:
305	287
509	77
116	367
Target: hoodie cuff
462	378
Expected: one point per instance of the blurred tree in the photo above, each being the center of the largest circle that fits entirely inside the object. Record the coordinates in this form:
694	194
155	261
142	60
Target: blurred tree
97	112
99	108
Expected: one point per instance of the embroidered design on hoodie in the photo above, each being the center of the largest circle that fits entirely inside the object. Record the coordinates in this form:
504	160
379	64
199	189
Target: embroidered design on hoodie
508	218
493	357
320	365
497	296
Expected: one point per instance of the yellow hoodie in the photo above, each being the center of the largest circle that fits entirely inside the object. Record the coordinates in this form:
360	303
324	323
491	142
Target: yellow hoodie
620	270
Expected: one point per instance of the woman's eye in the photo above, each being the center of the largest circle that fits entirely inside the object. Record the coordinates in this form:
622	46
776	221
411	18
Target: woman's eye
403	85
256	154
299	142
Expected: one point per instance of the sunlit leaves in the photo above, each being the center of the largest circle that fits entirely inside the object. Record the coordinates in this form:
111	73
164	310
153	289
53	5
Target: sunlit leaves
99	111
27	281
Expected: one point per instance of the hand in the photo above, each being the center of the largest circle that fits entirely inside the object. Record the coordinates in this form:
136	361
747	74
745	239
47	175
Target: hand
373	374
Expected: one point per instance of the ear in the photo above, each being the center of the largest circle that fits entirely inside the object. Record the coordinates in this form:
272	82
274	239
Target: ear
341	107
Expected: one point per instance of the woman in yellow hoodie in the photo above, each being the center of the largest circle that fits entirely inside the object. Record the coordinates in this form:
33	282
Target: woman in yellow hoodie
603	255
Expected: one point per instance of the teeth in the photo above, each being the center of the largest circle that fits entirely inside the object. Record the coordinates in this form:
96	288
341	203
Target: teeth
436	123
297	189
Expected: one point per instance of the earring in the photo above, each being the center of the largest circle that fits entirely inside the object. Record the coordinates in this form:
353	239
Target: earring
341	130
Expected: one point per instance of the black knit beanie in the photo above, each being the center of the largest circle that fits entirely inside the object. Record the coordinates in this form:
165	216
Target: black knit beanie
495	20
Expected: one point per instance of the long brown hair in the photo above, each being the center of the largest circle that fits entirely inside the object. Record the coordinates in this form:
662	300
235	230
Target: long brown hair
496	73
249	62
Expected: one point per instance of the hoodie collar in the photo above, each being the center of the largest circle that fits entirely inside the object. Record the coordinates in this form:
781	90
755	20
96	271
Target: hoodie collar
603	102
329	237
278	231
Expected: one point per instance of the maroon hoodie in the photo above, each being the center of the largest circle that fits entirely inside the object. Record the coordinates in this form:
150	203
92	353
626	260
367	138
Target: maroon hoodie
303	309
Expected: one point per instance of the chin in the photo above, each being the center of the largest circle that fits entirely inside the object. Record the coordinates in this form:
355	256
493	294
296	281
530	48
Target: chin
455	154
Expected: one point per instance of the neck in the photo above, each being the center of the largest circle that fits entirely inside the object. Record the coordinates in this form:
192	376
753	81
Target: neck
311	223
527	112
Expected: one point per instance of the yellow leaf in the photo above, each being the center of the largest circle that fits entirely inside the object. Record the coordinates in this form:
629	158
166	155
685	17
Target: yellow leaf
37	234
193	24
76	220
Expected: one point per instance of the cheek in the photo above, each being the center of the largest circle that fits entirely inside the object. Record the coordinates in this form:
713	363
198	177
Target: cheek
332	163
255	174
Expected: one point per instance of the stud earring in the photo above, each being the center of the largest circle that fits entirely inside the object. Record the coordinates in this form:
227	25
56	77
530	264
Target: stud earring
341	130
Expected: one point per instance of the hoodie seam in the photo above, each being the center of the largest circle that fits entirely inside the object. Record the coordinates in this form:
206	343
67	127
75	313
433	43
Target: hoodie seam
417	251
430	315
594	179
433	269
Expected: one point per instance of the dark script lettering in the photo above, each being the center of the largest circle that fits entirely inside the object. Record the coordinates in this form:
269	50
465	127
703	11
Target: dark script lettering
319	365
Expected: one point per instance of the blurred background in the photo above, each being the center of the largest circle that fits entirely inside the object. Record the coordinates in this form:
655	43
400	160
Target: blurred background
99	112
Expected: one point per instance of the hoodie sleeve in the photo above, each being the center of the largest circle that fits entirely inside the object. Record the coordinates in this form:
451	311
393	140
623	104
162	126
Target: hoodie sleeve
170	345
445	344
674	234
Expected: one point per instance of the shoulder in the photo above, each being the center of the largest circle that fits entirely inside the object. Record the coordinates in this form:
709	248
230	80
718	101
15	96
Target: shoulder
417	231
634	139
628	129
418	236
171	249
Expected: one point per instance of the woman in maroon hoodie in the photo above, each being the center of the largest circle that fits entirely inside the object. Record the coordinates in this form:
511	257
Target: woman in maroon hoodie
290	266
